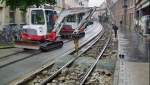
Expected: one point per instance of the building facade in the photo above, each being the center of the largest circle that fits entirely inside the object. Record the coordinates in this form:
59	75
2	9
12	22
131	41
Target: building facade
128	11
83	3
71	4
123	11
142	8
8	17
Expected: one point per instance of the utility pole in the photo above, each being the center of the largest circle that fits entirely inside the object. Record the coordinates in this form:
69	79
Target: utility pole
125	6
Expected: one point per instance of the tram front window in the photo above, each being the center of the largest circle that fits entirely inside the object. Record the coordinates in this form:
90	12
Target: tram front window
37	17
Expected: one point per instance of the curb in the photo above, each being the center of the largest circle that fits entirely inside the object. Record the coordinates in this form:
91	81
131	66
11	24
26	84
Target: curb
116	73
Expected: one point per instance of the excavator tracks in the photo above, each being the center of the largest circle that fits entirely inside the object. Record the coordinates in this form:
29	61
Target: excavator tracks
47	46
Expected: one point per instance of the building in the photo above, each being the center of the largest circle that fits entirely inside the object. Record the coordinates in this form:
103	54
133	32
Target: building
8	17
83	3
71	3
128	11
142	8
103	6
122	10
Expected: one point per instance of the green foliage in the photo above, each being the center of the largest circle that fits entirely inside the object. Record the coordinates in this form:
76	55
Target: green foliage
12	3
24	4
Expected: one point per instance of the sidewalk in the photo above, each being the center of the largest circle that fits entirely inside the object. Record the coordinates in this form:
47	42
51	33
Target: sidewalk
133	73
133	69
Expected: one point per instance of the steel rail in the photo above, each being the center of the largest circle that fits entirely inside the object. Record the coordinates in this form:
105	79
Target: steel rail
11	54
30	75
91	43
36	53
94	64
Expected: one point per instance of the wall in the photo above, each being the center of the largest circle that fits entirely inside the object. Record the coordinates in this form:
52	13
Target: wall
5	16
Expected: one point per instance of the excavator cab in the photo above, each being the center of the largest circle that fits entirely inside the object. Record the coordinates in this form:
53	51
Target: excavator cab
51	17
38	33
41	23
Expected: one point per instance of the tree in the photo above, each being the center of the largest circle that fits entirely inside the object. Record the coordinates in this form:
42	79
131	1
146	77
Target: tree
24	4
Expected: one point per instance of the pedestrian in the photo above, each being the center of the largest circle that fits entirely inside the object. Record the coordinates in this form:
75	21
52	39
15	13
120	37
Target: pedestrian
115	28
120	23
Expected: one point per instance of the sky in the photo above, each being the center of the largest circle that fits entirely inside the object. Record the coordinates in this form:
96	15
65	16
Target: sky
95	2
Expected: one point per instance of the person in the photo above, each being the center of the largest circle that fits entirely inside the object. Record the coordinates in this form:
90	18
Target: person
121	24
115	28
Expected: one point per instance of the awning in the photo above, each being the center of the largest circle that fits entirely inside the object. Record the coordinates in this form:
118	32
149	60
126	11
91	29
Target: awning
143	5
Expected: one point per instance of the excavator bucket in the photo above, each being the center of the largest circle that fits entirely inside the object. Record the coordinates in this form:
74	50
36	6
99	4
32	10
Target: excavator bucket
28	45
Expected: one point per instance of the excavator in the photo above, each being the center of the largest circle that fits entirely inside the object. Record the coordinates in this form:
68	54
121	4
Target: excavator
44	27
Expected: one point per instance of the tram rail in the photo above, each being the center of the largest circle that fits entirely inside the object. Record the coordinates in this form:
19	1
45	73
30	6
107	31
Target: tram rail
82	50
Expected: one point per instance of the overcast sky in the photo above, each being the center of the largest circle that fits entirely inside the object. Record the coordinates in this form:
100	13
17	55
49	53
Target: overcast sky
95	2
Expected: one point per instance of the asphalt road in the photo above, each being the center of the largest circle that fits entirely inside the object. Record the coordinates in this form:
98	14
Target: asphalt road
16	70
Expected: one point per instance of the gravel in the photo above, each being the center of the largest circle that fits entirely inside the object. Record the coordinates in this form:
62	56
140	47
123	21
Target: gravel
100	77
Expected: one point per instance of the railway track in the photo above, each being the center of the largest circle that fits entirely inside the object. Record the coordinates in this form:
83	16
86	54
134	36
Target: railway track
56	68
18	52
101	71
69	71
16	58
9	55
19	56
94	64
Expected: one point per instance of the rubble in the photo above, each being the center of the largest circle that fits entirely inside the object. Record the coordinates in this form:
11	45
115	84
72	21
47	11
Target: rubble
45	72
100	77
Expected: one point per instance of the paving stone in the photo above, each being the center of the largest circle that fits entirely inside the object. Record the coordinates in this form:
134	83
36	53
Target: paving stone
51	83
45	72
70	82
65	71
54	81
61	78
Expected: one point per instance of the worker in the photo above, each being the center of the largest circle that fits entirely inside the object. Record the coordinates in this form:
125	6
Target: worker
115	28
76	41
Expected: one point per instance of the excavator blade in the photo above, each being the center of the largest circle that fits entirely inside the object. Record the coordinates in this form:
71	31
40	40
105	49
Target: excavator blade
27	45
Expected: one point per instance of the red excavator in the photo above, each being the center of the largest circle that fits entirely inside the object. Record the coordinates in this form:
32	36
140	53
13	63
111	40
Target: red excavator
43	29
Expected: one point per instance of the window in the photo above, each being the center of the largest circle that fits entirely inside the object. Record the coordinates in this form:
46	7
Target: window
71	18
37	17
50	18
12	16
80	17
